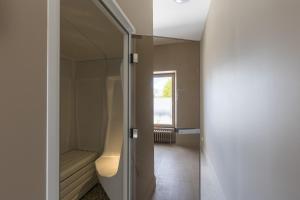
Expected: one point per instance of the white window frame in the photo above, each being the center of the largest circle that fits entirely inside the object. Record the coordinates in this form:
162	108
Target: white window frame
174	99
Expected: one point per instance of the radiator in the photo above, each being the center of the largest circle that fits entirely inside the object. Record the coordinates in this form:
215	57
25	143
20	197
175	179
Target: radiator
164	135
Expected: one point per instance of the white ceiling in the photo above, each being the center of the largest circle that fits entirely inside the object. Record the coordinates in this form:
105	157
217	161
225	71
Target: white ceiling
184	21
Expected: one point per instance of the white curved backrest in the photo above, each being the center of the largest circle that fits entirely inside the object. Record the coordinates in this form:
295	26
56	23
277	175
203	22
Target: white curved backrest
114	133
108	164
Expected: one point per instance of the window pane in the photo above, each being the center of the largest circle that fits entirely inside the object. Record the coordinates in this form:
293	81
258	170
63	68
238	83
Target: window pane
162	88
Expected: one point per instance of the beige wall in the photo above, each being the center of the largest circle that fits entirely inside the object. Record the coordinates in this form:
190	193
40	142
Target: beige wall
23	64
68	139
91	104
23	38
184	58
251	94
140	13
91	101
144	150
83	103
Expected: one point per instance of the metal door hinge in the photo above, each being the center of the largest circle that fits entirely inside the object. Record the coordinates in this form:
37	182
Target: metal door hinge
134	58
134	133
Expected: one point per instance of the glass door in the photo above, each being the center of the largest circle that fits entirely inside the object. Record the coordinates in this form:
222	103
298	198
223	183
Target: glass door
94	101
141	169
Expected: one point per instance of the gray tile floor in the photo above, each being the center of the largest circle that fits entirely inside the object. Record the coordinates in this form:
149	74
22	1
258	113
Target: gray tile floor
177	173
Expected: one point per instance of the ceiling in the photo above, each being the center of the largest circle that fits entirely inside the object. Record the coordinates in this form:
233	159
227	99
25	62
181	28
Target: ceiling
86	33
180	20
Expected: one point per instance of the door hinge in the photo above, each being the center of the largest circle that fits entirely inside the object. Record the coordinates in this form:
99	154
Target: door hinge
134	58
134	133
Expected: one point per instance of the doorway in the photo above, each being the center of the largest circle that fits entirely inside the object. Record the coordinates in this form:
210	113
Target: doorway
176	119
167	148
88	91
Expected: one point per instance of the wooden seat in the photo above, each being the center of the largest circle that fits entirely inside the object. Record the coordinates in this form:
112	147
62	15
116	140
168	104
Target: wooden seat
77	174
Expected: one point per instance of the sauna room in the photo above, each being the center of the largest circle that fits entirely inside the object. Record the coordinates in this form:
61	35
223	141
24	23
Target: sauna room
91	102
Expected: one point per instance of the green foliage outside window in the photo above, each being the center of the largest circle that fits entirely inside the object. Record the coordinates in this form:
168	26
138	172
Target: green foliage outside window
167	91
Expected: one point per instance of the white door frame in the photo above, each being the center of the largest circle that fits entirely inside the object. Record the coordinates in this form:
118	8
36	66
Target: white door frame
113	10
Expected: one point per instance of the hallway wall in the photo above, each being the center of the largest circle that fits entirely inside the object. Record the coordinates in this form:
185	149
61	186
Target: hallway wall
23	76
250	59
184	59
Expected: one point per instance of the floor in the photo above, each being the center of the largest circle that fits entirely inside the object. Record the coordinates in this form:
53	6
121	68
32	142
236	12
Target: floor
177	173
96	193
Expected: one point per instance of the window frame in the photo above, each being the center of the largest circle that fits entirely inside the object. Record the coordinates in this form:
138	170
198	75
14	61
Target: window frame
172	74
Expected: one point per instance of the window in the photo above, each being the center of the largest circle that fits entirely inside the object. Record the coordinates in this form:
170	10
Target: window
164	101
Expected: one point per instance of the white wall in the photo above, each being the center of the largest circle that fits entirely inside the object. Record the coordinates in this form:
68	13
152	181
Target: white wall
250	97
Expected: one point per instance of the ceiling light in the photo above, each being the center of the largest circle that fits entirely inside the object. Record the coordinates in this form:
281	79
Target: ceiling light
181	1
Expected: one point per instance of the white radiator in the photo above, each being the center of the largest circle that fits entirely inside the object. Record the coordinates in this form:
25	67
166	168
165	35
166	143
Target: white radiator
164	135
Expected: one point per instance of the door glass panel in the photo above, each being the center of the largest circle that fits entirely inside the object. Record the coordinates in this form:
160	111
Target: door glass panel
167	68
142	155
92	111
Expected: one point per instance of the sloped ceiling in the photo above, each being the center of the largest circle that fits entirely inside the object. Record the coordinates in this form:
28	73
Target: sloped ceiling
180	20
86	33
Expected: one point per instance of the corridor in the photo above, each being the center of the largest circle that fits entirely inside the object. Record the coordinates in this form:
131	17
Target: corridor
177	172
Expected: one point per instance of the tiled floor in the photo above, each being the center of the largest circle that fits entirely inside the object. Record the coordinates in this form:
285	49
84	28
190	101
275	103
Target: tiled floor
177	173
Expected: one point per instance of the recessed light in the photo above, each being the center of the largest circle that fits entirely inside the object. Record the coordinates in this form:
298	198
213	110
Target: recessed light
181	1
